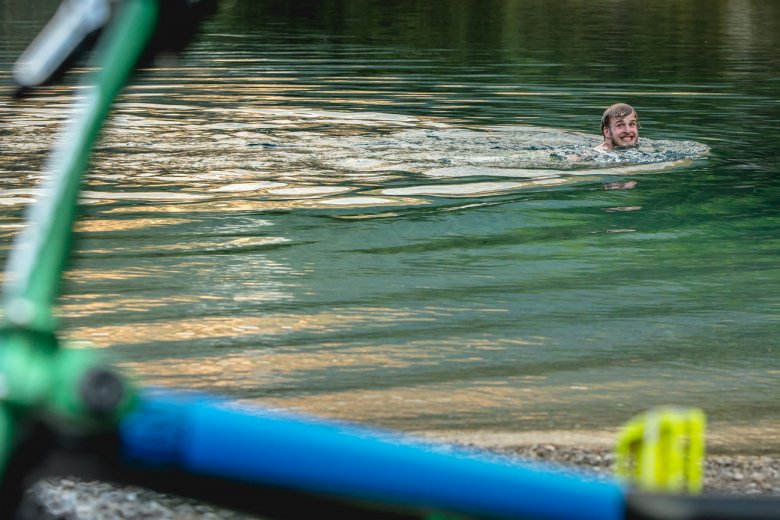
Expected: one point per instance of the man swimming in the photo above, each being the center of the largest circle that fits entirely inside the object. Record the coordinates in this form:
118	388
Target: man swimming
619	127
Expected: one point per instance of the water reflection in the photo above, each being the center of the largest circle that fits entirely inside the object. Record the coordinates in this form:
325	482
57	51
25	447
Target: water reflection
330	220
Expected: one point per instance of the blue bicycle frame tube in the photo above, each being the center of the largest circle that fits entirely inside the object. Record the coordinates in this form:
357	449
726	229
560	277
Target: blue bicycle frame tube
215	438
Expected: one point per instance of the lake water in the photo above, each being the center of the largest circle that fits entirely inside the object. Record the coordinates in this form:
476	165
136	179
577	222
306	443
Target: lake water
369	210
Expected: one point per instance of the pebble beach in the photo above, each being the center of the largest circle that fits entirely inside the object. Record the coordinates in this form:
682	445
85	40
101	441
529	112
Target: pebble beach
72	499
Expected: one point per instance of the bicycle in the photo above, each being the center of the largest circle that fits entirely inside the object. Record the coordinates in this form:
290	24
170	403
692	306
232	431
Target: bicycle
64	411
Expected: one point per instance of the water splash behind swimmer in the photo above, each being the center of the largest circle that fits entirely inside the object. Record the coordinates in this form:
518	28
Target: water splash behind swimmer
518	147
647	151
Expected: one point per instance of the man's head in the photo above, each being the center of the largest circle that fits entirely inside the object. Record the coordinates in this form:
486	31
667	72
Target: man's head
619	126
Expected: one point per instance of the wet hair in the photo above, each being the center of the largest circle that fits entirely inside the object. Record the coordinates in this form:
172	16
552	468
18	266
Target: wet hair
616	111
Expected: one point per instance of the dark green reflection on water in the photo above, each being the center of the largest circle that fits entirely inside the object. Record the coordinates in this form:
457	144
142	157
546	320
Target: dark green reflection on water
238	238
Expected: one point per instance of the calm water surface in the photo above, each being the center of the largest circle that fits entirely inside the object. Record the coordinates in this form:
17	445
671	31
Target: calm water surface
368	211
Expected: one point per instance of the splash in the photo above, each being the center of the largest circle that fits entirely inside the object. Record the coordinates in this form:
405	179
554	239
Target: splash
530	152
523	158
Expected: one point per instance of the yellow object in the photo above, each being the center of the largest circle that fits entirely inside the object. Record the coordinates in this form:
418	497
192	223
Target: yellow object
662	450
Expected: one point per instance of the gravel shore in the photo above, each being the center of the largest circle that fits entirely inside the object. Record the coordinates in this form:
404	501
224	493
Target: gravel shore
71	499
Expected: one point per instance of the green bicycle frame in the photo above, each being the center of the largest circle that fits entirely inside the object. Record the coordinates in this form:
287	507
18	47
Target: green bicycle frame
35	375
35	267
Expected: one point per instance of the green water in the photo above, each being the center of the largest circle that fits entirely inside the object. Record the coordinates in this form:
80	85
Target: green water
365	210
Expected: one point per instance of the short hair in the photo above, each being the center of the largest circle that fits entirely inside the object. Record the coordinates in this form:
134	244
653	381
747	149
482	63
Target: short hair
616	111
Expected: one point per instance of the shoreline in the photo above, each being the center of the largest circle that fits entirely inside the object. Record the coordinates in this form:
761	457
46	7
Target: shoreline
736	440
589	453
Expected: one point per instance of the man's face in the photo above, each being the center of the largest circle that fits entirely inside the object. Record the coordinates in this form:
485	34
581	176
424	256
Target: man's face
623	131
